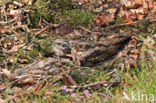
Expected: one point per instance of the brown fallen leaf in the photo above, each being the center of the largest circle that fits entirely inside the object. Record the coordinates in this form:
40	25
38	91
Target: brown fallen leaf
28	81
7	73
127	16
141	17
135	51
132	44
27	2
150	4
2	87
134	56
2	100
131	4
104	19
127	65
154	8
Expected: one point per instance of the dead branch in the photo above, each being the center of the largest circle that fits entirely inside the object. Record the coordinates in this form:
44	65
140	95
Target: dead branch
96	83
87	30
69	78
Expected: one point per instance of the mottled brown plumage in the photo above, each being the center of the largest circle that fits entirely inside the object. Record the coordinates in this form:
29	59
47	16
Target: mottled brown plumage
90	52
61	47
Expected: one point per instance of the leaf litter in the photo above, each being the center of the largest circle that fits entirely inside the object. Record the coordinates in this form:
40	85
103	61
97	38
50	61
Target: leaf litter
41	69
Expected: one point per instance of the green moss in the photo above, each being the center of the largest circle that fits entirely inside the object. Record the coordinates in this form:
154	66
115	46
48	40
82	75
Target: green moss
51	12
40	13
33	53
43	46
59	11
78	17
118	20
46	45
88	75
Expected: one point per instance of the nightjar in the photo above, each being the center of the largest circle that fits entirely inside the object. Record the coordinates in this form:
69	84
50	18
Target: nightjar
61	47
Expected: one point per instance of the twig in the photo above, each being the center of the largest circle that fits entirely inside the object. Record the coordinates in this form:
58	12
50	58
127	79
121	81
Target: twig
95	83
114	71
154	20
86	29
17	95
54	85
5	14
34	30
15	32
6	22
121	54
24	27
42	30
102	95
24	48
10	85
150	19
45	21
98	83
69	78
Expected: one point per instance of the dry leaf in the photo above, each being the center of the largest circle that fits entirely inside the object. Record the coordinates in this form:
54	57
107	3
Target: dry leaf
134	56
149	41
97	10
28	81
150	4
2	101
2	87
138	11
7	73
85	1
127	64
131	62
141	17
27	2
104	19
96	36
154	8
129	17
132	44
135	51
111	10
16	48
132	4
17	3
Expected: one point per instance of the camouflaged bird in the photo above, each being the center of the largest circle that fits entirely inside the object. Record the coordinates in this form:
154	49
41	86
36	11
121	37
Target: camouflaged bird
90	53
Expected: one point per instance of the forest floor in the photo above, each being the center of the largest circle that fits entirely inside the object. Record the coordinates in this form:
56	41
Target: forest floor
124	31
